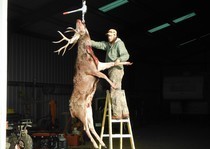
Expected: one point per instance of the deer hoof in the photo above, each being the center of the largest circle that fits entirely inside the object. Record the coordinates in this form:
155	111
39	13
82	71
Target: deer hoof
95	145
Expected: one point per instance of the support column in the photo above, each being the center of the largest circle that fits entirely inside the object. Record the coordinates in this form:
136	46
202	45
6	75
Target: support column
3	71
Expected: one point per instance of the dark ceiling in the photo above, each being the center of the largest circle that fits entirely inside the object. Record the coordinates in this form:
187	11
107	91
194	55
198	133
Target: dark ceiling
42	18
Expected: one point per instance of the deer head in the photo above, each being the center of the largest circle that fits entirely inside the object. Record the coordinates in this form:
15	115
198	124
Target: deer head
79	31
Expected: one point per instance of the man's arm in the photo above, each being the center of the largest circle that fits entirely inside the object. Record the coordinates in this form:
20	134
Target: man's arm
102	45
123	52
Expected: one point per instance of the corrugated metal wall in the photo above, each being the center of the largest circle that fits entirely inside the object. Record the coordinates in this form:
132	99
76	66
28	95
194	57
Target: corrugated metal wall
36	75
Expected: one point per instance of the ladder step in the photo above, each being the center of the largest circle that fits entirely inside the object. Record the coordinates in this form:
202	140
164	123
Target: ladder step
118	135
118	121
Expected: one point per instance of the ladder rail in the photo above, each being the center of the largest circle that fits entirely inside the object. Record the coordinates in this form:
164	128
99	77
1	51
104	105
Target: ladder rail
131	133
110	120
121	133
104	120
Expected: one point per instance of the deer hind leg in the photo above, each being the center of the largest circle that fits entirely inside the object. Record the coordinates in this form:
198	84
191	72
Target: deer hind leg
102	75
86	128
90	136
91	126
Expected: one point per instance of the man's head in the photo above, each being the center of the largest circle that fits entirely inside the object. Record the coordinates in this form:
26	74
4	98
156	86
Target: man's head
111	35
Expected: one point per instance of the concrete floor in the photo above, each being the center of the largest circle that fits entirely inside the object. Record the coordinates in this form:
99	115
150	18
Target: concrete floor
165	135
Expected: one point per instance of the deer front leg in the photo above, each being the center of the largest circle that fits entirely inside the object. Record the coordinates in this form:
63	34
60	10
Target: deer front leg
103	66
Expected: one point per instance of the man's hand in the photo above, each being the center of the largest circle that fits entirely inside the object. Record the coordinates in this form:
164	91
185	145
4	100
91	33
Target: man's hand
117	62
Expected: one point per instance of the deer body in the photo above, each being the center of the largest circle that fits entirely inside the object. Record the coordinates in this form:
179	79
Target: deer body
85	84
86	77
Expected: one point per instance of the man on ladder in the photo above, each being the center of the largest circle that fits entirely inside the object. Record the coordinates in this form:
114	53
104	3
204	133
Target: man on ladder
115	52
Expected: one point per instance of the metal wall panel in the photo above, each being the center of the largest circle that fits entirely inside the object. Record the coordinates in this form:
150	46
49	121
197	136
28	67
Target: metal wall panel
36	75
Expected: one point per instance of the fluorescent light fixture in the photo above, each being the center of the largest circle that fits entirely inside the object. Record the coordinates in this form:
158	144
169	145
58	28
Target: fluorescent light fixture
187	42
190	15
113	5
159	27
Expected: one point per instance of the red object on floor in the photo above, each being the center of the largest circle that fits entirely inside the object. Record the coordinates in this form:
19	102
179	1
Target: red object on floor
43	134
73	140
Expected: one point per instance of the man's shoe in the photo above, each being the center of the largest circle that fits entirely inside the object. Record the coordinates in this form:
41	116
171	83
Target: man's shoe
125	116
116	117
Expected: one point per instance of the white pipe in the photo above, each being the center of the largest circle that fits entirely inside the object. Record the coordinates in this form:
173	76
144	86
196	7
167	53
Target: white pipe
3	71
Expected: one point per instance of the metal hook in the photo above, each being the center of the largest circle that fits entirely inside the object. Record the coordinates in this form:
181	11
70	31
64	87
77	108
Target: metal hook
83	9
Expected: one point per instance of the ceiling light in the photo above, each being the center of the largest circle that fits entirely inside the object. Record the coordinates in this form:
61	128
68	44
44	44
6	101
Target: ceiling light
159	27
187	42
190	15
113	5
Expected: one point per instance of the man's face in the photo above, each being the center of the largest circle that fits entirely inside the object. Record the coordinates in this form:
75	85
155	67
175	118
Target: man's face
111	37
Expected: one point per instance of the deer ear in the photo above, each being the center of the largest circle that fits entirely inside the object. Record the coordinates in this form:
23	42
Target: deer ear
87	31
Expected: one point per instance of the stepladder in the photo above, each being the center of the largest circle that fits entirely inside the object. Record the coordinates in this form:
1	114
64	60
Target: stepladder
119	123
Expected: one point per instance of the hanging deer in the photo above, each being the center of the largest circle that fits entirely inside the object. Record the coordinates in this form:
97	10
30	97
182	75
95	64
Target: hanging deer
86	77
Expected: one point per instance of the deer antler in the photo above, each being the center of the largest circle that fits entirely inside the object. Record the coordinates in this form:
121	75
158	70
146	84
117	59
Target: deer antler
72	40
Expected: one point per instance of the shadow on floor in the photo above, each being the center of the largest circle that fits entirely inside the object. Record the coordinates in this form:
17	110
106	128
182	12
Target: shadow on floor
173	134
